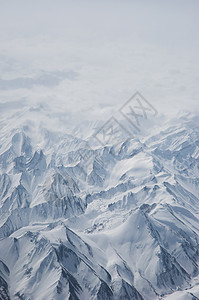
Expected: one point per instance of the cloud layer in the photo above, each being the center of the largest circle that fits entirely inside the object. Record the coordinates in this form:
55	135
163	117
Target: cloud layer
85	59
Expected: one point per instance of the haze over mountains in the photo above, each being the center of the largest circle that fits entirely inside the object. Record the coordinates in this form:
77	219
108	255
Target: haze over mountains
99	195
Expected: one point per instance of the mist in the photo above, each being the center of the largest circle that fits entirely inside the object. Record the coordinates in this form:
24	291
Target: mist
111	48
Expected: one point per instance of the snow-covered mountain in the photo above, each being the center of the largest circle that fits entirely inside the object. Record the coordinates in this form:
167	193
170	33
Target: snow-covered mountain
104	222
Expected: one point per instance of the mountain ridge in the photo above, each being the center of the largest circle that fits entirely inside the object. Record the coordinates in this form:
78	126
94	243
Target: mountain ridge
110	222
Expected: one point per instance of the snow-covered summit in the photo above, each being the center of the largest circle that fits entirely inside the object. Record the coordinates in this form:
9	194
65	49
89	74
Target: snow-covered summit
113	221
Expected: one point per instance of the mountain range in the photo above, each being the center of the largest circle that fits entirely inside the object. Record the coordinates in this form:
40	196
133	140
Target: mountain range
106	222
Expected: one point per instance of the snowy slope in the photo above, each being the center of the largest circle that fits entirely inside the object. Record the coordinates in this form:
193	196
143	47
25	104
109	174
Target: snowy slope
113	222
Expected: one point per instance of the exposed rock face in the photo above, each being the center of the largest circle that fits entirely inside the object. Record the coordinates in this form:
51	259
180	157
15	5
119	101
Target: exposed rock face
123	225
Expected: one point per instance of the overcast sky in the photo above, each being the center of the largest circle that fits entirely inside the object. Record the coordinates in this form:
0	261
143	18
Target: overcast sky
85	59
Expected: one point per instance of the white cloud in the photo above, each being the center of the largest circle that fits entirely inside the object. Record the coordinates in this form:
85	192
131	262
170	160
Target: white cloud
115	48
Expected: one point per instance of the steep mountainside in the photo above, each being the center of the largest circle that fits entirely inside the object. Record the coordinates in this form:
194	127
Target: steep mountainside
104	222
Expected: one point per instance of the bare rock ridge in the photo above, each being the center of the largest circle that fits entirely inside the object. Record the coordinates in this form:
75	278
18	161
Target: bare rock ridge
122	226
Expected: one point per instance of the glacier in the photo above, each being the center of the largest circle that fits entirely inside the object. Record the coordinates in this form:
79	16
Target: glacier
122	224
